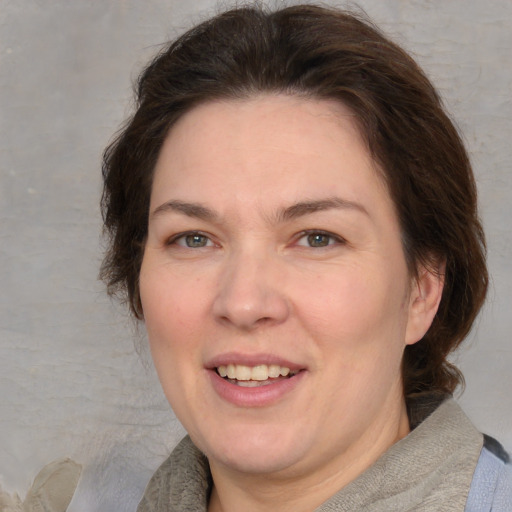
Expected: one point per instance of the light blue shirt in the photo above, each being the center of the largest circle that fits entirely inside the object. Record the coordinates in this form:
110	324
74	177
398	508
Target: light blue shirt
491	488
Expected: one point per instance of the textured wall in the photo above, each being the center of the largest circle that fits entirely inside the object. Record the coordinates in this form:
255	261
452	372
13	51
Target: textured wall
71	382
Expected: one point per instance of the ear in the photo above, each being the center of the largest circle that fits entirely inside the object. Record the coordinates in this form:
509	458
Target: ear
426	292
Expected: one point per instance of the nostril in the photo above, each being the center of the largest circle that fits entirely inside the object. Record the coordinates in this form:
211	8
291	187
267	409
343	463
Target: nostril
248	297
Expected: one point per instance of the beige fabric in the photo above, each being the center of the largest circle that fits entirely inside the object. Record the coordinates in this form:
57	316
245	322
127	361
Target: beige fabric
430	470
52	490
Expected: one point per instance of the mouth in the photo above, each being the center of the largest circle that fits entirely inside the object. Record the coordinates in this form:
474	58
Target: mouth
254	376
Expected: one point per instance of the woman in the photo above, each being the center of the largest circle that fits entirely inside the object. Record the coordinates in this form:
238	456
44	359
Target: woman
293	216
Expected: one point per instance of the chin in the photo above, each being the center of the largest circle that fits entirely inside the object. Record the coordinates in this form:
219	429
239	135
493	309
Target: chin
253	450
255	461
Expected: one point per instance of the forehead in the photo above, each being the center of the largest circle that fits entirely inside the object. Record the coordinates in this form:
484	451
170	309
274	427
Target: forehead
262	118
265	148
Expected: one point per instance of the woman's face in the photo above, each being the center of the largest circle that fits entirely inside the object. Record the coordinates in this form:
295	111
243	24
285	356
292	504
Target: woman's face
274	256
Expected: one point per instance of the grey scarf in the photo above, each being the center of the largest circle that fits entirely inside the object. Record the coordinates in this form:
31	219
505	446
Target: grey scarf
430	470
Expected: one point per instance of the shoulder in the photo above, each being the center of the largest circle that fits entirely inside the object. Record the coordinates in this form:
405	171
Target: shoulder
491	488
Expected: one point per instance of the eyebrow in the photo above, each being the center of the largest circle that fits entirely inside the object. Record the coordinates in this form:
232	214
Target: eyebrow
291	212
195	210
307	207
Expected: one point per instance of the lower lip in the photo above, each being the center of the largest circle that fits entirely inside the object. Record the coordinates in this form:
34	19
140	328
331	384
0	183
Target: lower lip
257	396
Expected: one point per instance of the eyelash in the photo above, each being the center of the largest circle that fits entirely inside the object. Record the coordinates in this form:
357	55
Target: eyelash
332	239
183	236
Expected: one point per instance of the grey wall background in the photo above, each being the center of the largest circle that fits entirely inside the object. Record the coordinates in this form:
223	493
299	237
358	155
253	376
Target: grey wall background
71	382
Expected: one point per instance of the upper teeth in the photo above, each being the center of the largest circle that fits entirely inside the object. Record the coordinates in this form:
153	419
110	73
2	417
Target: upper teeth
259	372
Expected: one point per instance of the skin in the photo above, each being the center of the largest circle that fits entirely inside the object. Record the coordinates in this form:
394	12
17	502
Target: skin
337	301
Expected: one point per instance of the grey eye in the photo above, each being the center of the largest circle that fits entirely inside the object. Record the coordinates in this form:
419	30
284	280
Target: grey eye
195	241
318	240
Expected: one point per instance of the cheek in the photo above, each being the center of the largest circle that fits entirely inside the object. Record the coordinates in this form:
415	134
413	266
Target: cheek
357	316
172	304
168	317
172	314
347	301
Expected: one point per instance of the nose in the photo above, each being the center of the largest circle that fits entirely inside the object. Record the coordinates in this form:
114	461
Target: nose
250	293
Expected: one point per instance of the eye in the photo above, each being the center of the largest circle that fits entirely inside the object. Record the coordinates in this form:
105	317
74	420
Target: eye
191	240
318	239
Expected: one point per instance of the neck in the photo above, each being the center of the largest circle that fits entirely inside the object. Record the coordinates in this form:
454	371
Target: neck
304	489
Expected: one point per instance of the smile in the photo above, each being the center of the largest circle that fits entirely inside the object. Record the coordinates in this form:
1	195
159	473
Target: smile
253	376
254	385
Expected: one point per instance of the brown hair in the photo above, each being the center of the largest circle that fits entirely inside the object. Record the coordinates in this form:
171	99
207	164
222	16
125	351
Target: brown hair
321	53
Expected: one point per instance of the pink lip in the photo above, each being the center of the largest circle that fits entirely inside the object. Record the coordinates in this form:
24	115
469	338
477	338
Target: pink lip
254	397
